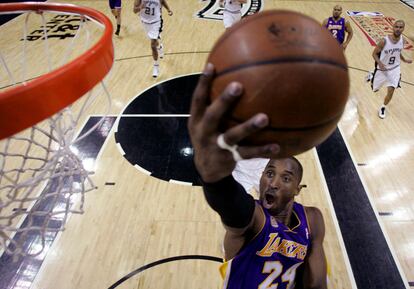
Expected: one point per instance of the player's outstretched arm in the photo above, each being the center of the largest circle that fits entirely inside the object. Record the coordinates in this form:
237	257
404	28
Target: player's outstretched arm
237	209
314	275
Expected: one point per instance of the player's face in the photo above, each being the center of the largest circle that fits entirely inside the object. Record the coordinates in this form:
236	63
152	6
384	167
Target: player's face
279	184
336	13
398	28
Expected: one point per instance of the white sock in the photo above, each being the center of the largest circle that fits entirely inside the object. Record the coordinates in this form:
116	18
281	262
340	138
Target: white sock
156	63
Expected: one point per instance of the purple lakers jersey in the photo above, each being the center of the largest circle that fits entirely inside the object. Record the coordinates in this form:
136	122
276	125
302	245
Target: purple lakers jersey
272	257
337	28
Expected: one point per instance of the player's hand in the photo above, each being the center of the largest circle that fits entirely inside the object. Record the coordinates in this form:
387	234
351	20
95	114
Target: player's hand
409	61
170	13
381	66
344	45
212	162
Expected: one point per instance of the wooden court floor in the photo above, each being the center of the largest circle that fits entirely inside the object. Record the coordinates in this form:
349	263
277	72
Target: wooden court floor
141	219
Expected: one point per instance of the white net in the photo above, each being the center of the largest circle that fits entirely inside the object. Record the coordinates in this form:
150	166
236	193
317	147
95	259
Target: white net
41	181
42	177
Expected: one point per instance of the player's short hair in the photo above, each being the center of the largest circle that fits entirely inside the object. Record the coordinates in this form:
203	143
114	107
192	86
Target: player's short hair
401	21
299	167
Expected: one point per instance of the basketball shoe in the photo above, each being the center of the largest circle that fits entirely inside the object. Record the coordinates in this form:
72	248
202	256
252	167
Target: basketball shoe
381	112
369	76
155	70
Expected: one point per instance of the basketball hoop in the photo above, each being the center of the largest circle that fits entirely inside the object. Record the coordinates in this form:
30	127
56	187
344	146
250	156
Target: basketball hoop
39	116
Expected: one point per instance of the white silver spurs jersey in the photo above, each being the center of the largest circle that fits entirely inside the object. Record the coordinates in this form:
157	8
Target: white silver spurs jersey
232	6
390	55
151	12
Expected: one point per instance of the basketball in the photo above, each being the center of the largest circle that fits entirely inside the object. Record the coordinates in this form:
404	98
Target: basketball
291	69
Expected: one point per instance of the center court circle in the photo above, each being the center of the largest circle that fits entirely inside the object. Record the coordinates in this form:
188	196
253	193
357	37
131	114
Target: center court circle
152	131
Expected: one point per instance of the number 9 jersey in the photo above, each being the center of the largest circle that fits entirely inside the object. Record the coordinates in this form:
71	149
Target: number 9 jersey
390	56
391	53
273	257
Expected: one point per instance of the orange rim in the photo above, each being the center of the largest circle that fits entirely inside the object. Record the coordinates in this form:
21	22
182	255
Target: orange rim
26	104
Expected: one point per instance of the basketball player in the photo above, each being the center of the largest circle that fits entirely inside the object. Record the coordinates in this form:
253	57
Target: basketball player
270	241
338	27
116	6
231	12
151	18
387	56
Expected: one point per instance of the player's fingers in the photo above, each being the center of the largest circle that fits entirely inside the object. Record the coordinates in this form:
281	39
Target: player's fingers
214	113
266	151
202	91
237	133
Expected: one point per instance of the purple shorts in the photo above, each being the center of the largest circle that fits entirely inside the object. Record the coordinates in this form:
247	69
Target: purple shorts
115	4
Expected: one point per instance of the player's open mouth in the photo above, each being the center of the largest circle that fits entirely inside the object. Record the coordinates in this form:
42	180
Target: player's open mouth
269	199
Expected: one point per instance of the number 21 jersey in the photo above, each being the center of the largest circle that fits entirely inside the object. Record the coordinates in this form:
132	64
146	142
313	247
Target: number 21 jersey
151	12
